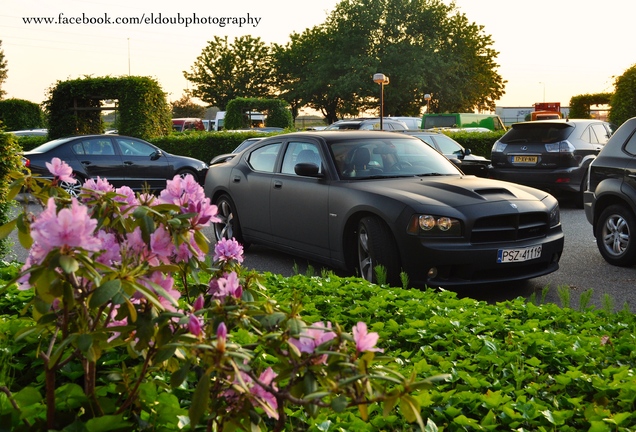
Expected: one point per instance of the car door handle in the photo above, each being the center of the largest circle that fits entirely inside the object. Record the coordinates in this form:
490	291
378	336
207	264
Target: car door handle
129	163
278	184
236	179
86	162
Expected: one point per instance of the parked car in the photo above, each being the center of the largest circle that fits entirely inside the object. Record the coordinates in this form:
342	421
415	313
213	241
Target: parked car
413	123
610	200
30	132
187	124
463	158
360	199
367	124
238	149
120	159
552	155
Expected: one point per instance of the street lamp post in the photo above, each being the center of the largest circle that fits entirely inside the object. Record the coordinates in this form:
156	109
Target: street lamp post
382	80
427	98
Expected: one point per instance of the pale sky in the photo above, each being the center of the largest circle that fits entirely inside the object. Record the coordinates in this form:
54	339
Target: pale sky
549	50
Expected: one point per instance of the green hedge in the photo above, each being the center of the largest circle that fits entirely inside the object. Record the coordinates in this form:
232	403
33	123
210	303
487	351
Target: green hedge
480	143
205	145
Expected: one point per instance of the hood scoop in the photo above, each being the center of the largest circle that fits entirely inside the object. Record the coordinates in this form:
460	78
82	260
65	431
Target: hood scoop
495	193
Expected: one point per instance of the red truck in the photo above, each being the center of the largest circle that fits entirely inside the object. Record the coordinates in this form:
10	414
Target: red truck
546	111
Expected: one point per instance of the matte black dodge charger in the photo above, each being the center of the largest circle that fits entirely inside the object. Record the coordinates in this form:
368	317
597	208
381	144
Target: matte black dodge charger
359	199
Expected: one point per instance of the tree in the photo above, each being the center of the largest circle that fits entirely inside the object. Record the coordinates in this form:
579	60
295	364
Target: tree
225	71
623	103
423	46
185	107
3	71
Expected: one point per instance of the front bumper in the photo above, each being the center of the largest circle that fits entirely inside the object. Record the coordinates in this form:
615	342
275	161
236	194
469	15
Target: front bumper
460	264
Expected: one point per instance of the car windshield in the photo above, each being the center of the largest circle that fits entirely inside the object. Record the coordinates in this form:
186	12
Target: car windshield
381	157
537	133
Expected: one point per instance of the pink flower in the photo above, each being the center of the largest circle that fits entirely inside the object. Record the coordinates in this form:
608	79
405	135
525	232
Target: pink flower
312	337
194	325
199	303
111	248
127	196
61	170
365	341
161	244
98	186
221	336
70	227
267	400
227	286
226	250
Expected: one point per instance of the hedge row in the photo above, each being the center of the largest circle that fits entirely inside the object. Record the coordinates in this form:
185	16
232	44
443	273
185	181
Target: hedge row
205	145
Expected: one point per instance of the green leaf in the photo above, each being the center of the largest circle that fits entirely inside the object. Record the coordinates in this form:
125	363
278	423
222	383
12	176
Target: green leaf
339	404
68	264
200	400
107	423
104	293
7	228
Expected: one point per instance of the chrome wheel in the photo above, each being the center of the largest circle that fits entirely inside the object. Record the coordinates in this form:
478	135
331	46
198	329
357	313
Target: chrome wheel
73	189
224	229
614	235
376	247
365	261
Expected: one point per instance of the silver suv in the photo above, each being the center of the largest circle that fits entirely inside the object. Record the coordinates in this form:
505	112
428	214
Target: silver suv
553	155
368	124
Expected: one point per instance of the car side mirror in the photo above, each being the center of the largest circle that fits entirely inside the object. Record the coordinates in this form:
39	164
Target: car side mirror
467	152
307	170
156	155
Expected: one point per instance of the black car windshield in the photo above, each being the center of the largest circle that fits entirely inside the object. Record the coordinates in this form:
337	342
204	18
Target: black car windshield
537	133
382	157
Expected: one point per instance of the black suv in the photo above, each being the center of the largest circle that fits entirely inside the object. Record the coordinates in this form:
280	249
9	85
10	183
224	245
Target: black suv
610	200
552	155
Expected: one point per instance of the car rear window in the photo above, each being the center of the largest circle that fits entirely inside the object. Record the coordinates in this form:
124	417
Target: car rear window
537	132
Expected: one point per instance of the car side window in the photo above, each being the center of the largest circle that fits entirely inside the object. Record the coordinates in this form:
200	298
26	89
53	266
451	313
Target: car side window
300	152
94	147
264	158
447	146
630	147
602	135
132	147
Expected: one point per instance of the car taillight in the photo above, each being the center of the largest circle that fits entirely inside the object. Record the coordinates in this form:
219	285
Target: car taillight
560	147
26	162
498	147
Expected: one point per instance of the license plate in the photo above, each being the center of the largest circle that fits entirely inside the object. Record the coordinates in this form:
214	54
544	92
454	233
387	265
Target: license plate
525	159
518	255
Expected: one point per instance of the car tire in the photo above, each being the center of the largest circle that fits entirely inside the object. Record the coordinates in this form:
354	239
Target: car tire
616	235
376	246
74	189
229	226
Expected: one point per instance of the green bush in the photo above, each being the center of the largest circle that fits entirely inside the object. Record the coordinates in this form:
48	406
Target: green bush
623	102
18	114
9	149
480	143
74	106
514	365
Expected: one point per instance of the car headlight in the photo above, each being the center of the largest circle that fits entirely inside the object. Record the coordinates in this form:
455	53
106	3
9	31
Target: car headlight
434	226
555	216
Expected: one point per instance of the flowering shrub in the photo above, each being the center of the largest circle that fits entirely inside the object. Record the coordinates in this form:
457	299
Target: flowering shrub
162	336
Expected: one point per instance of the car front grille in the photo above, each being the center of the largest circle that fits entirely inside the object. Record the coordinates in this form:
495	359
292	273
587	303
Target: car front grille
510	228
